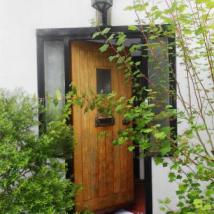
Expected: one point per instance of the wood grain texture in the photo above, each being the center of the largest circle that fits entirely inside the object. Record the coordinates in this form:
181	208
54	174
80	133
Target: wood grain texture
77	117
104	171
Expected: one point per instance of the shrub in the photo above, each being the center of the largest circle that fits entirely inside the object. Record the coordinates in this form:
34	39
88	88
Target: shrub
32	179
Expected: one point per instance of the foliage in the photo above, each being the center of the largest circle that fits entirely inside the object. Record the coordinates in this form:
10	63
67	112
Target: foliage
105	104
189	26
32	179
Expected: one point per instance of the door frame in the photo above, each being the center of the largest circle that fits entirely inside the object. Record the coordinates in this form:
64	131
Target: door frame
67	35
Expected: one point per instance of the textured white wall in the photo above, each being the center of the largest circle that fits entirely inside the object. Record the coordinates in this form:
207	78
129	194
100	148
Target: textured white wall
19	20
161	188
18	23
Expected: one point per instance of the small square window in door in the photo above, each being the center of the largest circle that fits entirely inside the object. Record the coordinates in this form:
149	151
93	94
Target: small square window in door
103	81
104	87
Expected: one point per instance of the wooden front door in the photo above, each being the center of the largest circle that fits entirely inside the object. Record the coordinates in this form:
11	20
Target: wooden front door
104	171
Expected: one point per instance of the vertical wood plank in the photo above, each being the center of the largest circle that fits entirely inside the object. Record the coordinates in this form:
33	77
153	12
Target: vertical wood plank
123	148
77	116
109	161
109	150
94	169
102	162
117	154
83	73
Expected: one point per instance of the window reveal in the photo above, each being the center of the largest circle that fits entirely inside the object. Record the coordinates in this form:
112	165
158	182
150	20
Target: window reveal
103	81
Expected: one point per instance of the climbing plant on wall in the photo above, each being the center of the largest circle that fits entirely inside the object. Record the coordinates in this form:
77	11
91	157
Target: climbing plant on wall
189	24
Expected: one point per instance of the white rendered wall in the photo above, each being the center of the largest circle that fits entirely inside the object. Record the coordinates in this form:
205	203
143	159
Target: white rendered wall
19	20
161	188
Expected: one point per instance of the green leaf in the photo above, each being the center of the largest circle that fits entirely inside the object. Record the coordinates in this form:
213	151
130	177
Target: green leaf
129	8
133	28
111	58
104	48
131	148
58	95
198	203
160	135
120	48
121	39
137	63
165	148
135	47
95	35
172	176
148	130
105	31
145	145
